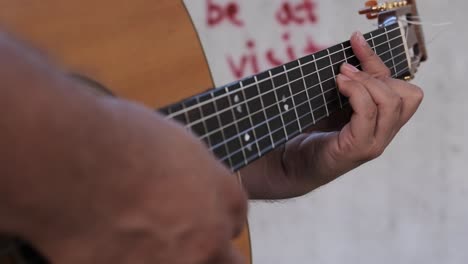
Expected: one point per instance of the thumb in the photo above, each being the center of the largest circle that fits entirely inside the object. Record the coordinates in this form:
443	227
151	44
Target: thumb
370	62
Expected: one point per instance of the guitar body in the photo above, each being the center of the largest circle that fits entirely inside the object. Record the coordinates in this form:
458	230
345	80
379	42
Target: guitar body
139	49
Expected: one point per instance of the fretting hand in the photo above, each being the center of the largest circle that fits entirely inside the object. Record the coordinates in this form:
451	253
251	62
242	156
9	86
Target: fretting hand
381	106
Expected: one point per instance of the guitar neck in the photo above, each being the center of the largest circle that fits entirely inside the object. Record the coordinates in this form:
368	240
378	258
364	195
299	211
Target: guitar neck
245	120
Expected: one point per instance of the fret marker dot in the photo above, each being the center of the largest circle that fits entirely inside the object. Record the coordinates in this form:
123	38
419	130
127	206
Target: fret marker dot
247	137
286	107
239	109
249	147
236	99
284	99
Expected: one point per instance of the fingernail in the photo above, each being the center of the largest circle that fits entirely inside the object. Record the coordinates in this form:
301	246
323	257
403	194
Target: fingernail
350	68
343	77
360	38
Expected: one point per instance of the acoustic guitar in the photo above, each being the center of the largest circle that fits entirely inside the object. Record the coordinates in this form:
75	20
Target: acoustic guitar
138	49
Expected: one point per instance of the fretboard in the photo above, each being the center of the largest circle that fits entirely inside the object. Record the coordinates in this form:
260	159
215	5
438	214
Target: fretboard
245	120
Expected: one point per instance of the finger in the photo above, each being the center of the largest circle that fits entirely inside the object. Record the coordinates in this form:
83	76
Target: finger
411	95
363	121
389	103
370	62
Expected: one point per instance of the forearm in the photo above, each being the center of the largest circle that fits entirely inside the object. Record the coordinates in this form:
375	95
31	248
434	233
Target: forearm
274	176
280	174
284	173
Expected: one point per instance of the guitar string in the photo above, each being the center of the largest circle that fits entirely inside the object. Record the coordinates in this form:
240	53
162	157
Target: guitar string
273	105
179	112
229	93
286	98
227	157
268	120
232	107
271	118
257	141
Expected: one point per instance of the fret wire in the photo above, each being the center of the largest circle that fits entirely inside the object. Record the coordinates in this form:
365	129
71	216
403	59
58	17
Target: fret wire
373	43
203	121
391	52
334	73
275	89
302	115
260	95
187	128
346	59
344	53
300	66
396	75
186	118
292	96
321	83
290	123
322	117
218	117
307	89
264	112
270	119
280	114
236	124
251	121
192	107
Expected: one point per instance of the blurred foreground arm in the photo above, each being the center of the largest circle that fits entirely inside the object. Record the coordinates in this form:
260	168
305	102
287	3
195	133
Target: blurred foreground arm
99	180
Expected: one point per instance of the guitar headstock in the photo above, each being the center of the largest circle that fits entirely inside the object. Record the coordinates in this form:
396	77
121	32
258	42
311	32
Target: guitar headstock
406	14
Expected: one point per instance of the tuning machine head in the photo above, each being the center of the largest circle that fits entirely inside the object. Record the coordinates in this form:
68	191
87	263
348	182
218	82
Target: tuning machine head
373	8
404	13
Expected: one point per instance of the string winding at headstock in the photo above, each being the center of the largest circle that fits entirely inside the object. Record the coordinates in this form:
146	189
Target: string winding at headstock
403	12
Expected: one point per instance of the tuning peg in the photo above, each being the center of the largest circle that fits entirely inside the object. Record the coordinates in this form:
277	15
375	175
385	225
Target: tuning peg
373	8
371	11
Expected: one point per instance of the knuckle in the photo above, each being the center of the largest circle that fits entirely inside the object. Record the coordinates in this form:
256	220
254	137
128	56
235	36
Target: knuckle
386	72
397	103
388	80
355	85
371	112
418	94
374	152
364	77
373	55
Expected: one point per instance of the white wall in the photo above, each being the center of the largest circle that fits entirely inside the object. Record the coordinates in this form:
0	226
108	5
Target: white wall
411	205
